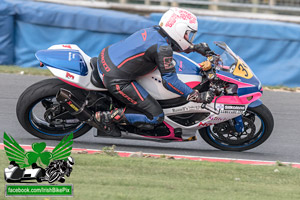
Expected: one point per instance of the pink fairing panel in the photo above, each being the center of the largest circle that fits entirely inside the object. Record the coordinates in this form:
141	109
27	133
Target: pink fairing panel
255	96
240	84
167	137
193	84
228	100
238	100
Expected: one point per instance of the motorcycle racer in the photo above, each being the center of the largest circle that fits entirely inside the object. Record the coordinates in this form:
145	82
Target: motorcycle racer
141	53
57	169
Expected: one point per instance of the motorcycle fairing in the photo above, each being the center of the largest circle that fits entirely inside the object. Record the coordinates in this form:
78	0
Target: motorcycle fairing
226	112
183	65
187	70
249	90
171	136
65	59
242	70
78	75
234	69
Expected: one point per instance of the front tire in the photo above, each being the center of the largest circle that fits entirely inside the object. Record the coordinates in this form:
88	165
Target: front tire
35	97
264	123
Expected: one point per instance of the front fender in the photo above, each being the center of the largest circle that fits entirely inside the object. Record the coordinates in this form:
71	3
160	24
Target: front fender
256	103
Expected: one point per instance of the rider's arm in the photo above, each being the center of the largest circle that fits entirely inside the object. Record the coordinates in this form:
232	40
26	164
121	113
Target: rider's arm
168	72
201	48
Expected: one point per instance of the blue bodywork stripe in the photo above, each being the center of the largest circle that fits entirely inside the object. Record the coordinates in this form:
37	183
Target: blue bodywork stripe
256	103
68	60
247	90
184	66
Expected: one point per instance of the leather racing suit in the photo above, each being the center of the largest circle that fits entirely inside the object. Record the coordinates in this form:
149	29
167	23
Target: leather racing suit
139	54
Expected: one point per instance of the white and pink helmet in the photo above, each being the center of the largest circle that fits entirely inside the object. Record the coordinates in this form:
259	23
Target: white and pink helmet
181	25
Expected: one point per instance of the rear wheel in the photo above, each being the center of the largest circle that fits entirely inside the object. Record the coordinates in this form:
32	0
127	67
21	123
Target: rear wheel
41	115
258	126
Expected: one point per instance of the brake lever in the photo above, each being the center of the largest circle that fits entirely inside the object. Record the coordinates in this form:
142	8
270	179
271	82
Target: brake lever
215	104
210	53
204	105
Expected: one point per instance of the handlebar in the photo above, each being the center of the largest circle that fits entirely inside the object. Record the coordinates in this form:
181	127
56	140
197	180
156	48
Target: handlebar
212	78
203	106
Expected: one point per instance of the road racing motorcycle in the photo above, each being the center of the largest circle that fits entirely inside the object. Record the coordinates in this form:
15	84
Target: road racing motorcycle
235	120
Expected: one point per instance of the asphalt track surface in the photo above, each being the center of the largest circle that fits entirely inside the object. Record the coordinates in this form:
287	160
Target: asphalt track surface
283	144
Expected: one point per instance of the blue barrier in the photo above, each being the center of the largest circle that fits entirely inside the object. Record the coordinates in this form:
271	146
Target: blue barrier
270	48
6	34
45	36
41	25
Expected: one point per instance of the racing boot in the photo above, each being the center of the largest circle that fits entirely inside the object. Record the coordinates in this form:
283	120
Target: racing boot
107	120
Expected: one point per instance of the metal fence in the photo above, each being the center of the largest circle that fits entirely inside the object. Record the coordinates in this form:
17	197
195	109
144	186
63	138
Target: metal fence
288	10
261	6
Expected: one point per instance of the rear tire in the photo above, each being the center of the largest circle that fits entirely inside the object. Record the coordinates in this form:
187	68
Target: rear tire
264	131
36	93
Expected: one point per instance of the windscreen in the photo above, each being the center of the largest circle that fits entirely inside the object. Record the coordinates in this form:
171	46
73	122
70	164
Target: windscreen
233	64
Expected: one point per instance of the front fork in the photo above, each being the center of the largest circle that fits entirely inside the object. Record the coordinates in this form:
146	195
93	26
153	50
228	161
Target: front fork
239	125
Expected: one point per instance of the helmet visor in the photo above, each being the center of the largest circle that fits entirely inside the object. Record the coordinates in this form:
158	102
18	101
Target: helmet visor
190	36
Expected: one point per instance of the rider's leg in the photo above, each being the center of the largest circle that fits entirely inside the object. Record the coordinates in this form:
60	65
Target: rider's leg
142	109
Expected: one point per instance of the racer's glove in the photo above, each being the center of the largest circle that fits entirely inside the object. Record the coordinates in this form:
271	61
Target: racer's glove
206	65
203	49
203	97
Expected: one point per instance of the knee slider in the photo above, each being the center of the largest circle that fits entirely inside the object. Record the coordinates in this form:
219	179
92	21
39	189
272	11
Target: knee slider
160	118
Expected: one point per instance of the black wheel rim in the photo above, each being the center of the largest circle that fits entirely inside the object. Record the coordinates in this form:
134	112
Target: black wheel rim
244	142
39	123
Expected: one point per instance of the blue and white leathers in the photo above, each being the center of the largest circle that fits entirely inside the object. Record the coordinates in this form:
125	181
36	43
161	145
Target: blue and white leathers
141	53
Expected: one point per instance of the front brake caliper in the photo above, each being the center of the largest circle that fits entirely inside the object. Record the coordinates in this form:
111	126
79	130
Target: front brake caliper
239	125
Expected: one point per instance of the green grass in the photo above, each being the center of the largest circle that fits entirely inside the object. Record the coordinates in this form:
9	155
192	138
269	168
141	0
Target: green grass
23	70
109	177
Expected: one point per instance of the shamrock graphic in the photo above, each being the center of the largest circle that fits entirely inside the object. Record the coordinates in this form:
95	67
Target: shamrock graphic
38	153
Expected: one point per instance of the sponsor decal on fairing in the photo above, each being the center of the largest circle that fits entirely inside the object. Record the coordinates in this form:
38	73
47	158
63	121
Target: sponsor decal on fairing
235	107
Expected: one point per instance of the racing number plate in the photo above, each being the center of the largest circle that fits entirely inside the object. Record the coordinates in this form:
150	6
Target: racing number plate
242	70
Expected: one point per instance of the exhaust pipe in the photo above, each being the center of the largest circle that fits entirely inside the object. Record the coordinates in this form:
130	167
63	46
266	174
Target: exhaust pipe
76	108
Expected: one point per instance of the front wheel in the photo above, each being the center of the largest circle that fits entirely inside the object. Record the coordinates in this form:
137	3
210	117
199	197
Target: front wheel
258	126
41	115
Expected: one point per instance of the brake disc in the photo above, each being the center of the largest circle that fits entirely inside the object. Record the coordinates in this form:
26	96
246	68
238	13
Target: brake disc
227	133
